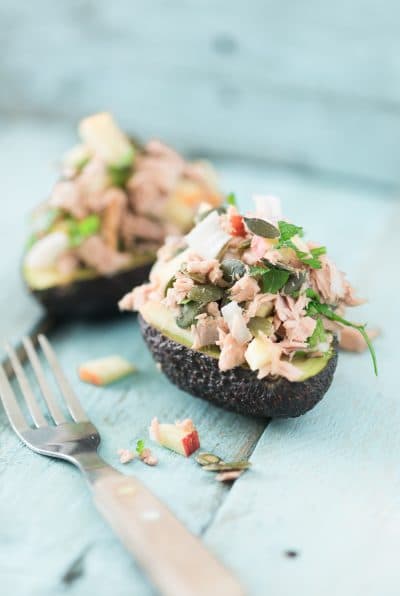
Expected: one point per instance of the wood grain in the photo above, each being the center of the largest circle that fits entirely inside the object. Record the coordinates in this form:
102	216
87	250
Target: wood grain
324	486
322	501
174	559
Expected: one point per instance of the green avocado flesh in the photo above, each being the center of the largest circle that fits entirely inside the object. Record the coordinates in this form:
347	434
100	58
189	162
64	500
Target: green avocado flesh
161	318
42	279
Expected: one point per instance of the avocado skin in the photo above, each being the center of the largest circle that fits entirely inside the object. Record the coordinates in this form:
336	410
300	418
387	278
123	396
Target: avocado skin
237	389
90	298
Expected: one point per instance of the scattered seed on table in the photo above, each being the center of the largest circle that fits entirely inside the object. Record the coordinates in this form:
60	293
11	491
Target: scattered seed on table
205	459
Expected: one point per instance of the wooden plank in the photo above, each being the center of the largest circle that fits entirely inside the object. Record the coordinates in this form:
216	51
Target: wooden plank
326	486
312	85
57	508
52	537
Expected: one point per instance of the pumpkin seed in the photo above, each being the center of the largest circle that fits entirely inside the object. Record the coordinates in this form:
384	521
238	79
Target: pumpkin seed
281	266
205	459
199	277
169	284
245	244
257	324
205	293
227	466
294	283
188	314
260	227
232	270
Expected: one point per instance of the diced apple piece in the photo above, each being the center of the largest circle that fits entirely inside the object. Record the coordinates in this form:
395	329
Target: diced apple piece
258	354
102	135
175	437
103	371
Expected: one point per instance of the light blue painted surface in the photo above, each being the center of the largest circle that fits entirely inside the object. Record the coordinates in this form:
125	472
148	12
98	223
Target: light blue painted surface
326	484
313	83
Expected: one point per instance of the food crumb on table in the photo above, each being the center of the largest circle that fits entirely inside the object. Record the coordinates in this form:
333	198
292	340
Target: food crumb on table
230	476
126	455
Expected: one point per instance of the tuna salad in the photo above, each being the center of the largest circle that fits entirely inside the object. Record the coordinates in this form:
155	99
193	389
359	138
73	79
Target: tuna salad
250	291
113	205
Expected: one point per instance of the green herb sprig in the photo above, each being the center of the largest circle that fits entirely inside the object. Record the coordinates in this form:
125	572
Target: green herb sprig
120	175
231	199
318	336
140	446
79	230
316	307
272	279
287	231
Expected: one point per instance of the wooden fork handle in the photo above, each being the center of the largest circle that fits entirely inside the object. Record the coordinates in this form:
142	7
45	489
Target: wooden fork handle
174	559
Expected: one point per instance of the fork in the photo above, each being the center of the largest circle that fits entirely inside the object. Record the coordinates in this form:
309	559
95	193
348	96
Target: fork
175	560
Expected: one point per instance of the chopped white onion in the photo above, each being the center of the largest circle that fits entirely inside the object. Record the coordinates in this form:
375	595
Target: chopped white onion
323	347
45	252
268	207
233	316
208	238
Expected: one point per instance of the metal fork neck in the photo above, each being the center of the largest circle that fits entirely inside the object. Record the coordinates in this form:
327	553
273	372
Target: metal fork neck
93	466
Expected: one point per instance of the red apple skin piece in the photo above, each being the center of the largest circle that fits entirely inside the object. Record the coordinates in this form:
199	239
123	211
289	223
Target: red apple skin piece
191	443
174	438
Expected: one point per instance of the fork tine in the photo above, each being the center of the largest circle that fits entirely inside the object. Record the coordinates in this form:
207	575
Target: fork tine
75	408
26	390
10	404
52	404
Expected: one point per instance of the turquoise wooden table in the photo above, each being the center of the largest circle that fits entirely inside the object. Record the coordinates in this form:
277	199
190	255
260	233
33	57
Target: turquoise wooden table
318	513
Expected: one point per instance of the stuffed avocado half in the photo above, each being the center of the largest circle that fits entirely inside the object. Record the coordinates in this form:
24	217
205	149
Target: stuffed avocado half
242	311
97	235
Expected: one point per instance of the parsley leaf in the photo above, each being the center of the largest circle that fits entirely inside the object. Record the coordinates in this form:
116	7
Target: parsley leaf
318	251
273	280
318	336
120	175
231	199
256	270
316	307
140	446
312	261
287	231
310	293
79	230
